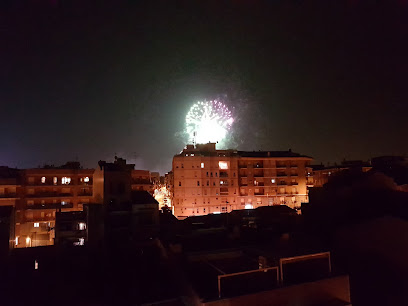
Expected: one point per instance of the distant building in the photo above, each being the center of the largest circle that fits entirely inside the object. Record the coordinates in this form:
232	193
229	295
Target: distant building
206	180
142	180
322	174
38	194
43	193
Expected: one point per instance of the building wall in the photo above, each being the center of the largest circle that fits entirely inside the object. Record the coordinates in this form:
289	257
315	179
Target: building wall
142	180
217	181
43	193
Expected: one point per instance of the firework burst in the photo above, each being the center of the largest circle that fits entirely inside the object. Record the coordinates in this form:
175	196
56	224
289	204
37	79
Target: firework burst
208	121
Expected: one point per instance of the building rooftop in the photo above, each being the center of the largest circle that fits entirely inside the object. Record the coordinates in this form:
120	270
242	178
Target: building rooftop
288	153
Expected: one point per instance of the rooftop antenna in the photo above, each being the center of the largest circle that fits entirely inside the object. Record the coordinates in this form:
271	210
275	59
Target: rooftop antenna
194	138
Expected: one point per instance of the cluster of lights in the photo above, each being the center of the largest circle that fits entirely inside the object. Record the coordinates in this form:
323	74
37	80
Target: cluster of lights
208	121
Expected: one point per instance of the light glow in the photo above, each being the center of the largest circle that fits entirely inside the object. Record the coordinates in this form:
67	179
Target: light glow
223	165
249	206
208	121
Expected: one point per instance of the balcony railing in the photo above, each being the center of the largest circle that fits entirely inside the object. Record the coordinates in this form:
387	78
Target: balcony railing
282	183
281	166
281	174
50	206
8	195
85	194
294	174
49	195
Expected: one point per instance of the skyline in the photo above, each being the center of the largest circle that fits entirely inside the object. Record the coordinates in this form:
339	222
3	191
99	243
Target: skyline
83	82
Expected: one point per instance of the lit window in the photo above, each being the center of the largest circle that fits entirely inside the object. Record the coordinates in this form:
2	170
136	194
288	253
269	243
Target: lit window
36	265
36	224
273	181
249	206
43	180
63	202
55	180
82	226
86	179
17	240
223	164
202	166
28	240
191	154
81	241
65	180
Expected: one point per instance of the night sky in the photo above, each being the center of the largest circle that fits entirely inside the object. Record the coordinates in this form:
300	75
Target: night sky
85	81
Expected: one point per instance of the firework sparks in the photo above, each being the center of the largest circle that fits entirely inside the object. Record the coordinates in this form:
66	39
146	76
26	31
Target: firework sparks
208	121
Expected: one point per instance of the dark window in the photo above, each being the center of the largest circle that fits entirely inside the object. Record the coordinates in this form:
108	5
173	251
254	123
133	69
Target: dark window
198	183
179	183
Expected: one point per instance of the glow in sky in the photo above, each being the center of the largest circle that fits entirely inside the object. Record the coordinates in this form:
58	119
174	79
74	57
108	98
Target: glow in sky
208	121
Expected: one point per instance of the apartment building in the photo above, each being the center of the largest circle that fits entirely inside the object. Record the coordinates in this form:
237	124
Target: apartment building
207	180
38	194
322	174
45	191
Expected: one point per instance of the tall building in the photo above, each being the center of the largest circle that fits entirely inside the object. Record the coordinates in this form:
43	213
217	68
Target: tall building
207	180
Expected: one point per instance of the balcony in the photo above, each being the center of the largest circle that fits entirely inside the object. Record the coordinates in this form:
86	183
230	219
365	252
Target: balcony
50	206
281	175
242	166
294	174
280	166
259	166
222	175
293	166
49	195
294	183
282	183
85	194
8	195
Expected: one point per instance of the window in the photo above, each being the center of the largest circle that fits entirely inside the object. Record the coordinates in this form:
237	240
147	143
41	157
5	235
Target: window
43	180
182	165
224	209
86	179
273	181
211	174
66	180
249	206
202	166
208	183
198	183
203	210
282	190
55	180
63	202
216	174
179	183
82	226
36	224
223	165
207	174
213	183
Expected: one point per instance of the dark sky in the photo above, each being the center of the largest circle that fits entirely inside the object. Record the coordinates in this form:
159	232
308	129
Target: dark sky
84	80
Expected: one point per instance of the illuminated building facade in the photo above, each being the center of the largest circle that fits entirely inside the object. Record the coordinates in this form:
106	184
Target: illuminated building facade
38	194
206	180
43	193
